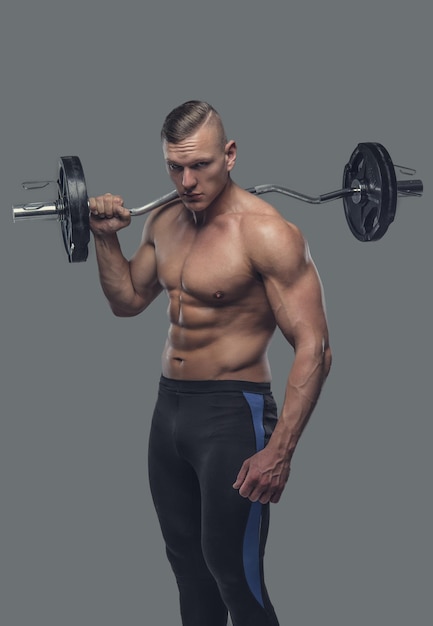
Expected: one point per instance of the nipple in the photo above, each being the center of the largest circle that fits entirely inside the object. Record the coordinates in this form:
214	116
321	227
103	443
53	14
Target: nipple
219	295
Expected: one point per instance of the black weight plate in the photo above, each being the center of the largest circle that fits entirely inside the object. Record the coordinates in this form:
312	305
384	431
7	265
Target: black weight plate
370	213
73	208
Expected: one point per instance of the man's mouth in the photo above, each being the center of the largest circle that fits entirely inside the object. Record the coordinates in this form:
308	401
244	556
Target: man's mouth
192	196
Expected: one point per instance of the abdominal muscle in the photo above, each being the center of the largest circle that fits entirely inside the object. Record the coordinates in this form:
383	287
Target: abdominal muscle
218	347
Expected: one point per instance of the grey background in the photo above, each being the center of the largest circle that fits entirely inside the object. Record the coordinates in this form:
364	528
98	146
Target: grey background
298	85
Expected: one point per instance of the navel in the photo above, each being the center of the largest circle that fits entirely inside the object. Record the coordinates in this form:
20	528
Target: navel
219	295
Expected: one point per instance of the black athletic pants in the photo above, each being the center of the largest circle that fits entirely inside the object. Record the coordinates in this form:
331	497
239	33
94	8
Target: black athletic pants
201	433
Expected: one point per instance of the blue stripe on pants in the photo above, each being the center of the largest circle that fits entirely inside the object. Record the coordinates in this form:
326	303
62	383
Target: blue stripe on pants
251	548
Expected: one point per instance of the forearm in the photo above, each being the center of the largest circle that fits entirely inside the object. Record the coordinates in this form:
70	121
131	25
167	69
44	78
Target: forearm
305	382
115	276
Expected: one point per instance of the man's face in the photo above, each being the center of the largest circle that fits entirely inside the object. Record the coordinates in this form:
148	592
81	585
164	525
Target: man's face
199	166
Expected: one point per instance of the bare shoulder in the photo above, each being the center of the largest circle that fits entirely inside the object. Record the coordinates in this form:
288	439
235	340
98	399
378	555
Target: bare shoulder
272	243
160	218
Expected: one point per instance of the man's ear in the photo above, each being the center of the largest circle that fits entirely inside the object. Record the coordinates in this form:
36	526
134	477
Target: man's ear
230	153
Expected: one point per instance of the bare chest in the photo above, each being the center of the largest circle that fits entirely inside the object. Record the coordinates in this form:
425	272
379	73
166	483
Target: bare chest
208	264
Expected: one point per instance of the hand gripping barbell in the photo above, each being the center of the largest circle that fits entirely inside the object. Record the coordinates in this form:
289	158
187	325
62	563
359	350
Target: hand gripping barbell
369	194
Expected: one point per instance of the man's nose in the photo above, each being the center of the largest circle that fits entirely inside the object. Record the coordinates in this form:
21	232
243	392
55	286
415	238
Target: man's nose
188	178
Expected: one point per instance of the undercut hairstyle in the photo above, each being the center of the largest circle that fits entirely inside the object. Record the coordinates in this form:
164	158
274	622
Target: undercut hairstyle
189	117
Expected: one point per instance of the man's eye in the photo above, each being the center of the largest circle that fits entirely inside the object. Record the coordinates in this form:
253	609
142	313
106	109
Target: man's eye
201	164
173	167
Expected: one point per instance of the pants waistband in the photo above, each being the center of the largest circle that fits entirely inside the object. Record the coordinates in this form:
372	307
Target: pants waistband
213	386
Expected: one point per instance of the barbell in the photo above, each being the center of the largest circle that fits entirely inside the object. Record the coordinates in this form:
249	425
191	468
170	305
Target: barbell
369	193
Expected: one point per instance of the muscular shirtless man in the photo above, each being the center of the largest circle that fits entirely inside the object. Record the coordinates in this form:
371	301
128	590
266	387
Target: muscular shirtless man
233	270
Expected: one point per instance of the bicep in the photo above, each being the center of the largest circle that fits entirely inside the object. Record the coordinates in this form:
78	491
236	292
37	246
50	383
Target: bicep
144	273
293	287
298	305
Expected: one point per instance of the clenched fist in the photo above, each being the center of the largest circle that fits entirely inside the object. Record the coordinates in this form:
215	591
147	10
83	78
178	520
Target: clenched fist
108	215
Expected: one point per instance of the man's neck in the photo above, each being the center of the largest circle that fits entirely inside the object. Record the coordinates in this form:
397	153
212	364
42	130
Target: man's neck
223	203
